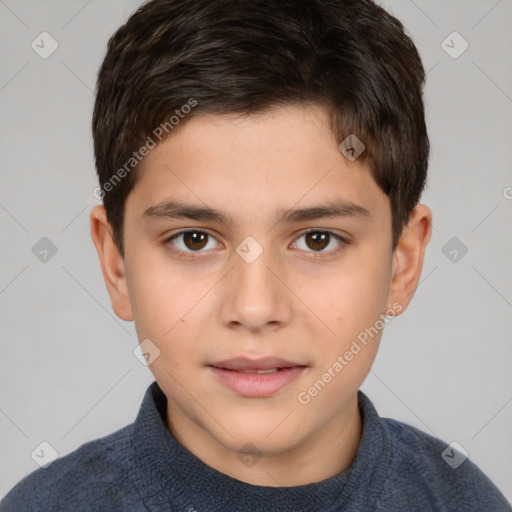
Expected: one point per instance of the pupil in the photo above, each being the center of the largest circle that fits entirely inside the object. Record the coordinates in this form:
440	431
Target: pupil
322	238
194	240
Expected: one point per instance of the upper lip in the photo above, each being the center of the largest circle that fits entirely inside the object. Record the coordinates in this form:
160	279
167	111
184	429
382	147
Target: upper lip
244	363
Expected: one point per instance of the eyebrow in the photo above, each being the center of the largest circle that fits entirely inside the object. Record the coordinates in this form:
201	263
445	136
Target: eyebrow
179	210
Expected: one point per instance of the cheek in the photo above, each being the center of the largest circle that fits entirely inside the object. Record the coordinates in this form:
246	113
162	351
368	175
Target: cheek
160	296
352	309
167	310
151	303
355	301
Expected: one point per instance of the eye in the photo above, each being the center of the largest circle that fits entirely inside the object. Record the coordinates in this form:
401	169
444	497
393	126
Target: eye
319	240
193	240
197	241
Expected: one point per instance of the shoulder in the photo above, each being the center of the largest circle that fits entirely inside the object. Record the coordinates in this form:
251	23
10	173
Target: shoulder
93	477
444	473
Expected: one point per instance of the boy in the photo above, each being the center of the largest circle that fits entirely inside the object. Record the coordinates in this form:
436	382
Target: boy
260	165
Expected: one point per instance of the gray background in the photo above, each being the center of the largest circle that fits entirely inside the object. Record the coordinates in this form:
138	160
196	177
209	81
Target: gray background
67	371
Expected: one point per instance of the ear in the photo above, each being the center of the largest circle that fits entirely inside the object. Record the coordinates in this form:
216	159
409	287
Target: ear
408	257
112	264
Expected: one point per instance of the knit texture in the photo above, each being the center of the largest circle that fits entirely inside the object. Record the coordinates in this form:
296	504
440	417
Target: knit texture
143	468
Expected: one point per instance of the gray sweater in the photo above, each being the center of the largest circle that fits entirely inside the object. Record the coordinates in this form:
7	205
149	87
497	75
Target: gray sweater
143	468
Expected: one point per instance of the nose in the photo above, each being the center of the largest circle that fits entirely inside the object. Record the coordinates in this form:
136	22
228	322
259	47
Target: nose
255	296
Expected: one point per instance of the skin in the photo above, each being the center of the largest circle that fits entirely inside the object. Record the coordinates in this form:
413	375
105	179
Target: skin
299	300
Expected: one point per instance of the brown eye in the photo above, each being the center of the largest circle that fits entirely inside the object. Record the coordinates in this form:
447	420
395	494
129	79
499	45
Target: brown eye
317	241
191	241
195	240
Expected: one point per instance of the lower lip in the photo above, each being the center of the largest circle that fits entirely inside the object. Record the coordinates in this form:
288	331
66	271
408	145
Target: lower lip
257	385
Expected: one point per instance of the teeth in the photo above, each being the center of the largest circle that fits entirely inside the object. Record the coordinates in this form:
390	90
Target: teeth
271	370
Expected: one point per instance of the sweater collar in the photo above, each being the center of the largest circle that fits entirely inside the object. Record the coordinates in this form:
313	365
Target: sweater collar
170	474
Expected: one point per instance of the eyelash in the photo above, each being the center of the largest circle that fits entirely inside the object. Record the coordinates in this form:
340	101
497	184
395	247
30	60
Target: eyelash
316	254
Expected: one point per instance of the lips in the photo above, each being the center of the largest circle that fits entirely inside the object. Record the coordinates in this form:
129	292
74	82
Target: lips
256	378
254	365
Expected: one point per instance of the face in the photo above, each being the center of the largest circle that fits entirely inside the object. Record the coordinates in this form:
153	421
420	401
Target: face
259	264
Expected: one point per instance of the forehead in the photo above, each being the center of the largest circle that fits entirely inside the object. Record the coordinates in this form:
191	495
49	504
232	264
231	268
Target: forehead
287	156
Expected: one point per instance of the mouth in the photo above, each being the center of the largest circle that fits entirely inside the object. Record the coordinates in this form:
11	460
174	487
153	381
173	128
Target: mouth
256	378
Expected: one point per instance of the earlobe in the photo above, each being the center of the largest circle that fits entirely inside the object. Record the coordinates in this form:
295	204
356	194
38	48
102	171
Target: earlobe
409	255
112	264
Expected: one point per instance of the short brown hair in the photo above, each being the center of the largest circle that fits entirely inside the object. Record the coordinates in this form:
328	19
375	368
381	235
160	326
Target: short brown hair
246	56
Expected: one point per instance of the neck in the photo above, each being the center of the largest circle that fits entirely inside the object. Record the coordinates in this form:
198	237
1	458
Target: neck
324	454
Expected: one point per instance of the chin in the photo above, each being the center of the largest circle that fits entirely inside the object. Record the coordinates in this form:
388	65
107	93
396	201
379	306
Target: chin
258	435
